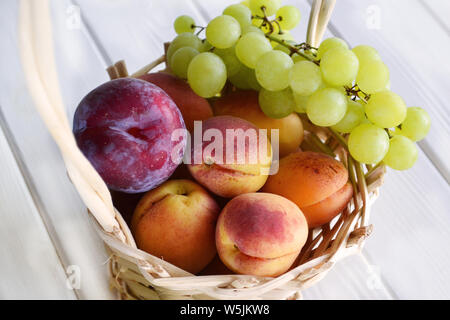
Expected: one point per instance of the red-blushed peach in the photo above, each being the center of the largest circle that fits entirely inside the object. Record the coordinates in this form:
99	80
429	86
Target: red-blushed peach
192	106
316	182
176	222
244	104
234	162
260	234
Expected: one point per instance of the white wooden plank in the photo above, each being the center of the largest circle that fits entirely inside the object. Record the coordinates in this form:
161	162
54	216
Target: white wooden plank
408	244
133	24
351	279
60	206
30	266
134	30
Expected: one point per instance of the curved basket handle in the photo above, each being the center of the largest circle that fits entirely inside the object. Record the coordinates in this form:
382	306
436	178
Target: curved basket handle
37	56
318	20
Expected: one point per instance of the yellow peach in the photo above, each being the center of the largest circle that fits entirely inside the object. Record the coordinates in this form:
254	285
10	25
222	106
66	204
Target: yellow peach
176	222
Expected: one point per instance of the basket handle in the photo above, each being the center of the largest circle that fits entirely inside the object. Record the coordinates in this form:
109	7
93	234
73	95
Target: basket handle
318	20
38	62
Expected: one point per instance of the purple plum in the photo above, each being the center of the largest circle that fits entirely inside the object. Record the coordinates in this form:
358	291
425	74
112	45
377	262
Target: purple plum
124	127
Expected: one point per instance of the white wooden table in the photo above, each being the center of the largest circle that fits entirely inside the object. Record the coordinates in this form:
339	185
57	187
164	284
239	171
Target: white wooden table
45	235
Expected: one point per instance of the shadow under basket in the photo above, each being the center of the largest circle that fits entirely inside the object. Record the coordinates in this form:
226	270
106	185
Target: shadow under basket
136	274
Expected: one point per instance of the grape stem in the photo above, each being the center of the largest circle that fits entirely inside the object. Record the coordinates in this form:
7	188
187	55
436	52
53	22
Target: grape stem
198	27
323	147
339	138
292	48
388	132
354	91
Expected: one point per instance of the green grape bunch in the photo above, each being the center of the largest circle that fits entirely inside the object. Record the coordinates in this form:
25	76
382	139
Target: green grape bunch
249	47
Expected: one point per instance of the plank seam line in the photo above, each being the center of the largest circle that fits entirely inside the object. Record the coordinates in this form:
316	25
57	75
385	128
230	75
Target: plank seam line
40	207
93	39
435	16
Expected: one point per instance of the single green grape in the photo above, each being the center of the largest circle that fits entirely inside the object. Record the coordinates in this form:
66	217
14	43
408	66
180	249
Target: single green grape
272	70
223	31
252	28
276	104
288	17
353	117
373	76
300	103
186	39
339	66
326	107
229	58
207	74
330	43
184	24
416	124
270	7
181	59
241	13
366	53
402	153
305	78
251	47
368	143
386	109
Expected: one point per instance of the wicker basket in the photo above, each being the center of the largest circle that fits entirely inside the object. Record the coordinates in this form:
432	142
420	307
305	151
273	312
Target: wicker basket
138	275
